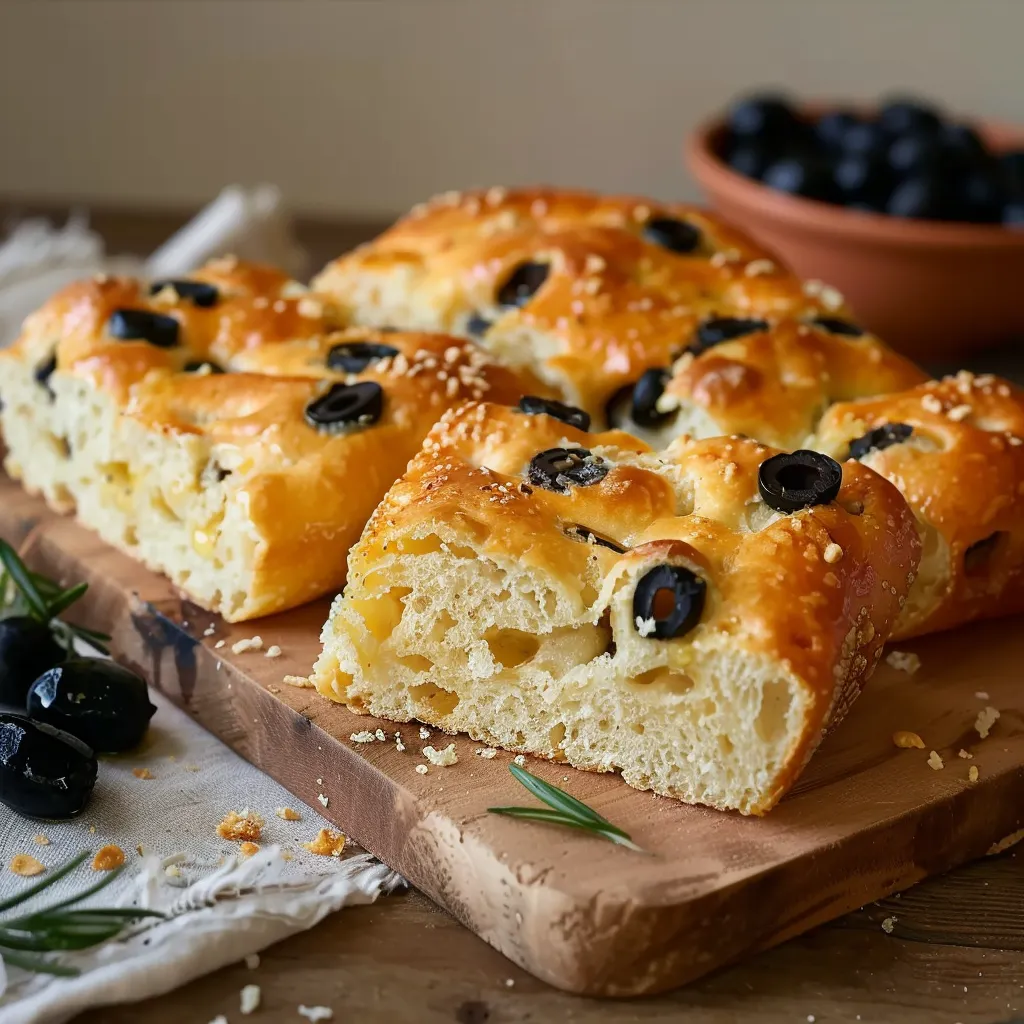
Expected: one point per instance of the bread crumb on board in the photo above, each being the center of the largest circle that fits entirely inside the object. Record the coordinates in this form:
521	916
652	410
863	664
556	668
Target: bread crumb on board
888	924
442	758
302	682
486	752
987	717
972	773
316	1013
421	769
241	827
252	643
273	651
252	961
903	661
904	738
965	754
363	737
935	761
249	999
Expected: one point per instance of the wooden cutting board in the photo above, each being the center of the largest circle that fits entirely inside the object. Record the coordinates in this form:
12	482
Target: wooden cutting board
865	820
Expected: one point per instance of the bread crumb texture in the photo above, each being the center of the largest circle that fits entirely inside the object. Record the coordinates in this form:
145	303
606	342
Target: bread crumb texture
903	661
249	999
26	865
107	858
906	739
328	843
244	826
935	761
442	758
987	718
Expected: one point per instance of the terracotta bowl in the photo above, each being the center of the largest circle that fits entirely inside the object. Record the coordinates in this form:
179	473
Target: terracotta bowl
933	290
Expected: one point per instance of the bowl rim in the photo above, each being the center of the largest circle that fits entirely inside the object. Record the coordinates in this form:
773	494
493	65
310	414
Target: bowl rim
806	214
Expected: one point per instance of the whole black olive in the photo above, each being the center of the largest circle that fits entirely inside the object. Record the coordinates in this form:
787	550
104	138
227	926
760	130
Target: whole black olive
866	138
672	234
764	116
675	614
558	410
346	404
879	439
101	703
751	160
862	177
806	175
901	115
830	129
44	773
789	483
141	325
646	392
27	650
558	469
923	196
356	356
199	293
522	284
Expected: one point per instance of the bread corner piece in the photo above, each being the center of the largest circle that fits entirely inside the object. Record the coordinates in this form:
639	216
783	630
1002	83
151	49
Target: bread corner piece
225	429
616	609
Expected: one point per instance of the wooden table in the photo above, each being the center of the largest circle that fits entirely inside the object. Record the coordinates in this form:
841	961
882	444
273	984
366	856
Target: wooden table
955	951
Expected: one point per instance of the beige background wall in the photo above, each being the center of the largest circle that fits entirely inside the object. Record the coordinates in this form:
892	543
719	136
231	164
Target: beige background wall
365	106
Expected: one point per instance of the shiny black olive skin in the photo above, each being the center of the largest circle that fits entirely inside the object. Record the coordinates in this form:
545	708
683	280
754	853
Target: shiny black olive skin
764	116
44	773
27	650
141	325
831	129
346	404
558	410
879	439
356	356
927	196
522	284
688	593
558	469
724	328
199	293
789	483
196	365
844	328
805	175
105	705
646	392
674	235
900	116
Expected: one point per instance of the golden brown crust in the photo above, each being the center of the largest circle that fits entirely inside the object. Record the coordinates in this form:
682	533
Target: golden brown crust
613	304
308	492
774	383
817	591
962	472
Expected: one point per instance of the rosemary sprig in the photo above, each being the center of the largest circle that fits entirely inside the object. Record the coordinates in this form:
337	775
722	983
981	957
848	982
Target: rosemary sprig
43	600
57	928
562	809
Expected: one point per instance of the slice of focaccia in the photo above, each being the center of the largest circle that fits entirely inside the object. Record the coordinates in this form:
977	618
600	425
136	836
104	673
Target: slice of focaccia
697	619
226	429
955	450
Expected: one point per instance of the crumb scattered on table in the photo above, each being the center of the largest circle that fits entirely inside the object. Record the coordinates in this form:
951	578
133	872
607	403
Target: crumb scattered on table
987	717
903	661
328	843
981	694
41	840
142	773
362	737
421	769
273	651
249	999
107	858
935	761
904	738
241	827
287	814
442	758
316	1013
972	773
26	865
519	759
247	849
252	961
303	682
324	800
219	644
966	755
424	733
252	643
485	752
887	925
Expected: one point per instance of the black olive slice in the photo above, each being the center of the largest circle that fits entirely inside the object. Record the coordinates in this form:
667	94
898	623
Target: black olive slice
557	469
685	589
199	293
646	392
141	325
43	373
477	325
346	404
724	328
588	536
522	284
559	410
789	483
879	439
196	365
356	356
834	325
674	235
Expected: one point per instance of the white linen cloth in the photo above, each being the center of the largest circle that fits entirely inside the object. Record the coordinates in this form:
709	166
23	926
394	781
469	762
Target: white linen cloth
220	906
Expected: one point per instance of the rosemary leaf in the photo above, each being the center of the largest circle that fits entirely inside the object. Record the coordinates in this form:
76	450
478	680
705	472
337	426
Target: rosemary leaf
65	599
555	797
45	883
23	581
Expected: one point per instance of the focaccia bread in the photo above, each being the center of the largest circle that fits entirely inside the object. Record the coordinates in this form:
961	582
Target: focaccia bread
576	596
225	429
955	450
767	377
587	291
